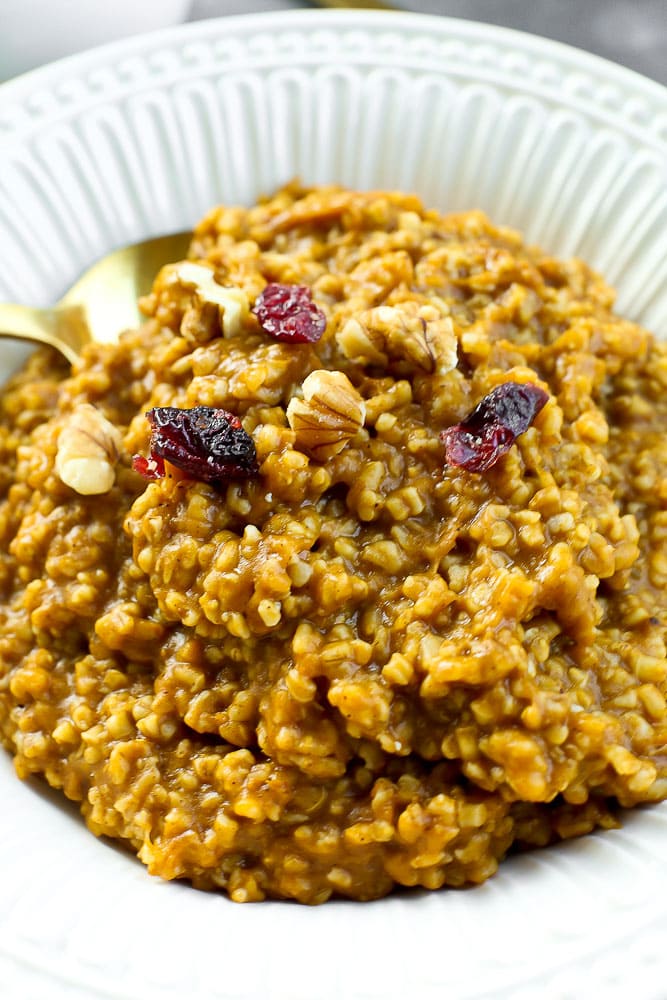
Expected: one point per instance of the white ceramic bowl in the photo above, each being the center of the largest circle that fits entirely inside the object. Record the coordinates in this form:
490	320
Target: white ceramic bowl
142	137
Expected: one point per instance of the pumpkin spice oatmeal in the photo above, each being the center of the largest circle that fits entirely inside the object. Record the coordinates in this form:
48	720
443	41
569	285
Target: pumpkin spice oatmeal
348	569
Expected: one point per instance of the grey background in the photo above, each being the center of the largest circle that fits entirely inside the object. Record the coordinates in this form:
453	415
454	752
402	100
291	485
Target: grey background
631	32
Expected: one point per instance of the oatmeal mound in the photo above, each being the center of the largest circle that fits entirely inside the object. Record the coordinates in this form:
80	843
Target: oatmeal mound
377	591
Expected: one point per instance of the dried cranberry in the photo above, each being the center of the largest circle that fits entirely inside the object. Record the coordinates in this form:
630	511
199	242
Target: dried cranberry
150	468
205	443
288	313
491	429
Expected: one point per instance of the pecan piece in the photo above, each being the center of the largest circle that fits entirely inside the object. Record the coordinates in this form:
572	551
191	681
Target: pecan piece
330	413
408	332
214	308
88	450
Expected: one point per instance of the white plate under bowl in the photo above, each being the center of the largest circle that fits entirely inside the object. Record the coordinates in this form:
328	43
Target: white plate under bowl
142	137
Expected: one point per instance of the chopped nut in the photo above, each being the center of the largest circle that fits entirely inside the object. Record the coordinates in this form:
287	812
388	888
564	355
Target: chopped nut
419	334
88	449
330	413
201	322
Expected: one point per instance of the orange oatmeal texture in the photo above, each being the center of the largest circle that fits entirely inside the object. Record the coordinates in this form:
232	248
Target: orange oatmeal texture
359	667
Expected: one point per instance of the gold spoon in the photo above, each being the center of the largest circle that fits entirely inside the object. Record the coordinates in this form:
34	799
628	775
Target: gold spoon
101	304
356	4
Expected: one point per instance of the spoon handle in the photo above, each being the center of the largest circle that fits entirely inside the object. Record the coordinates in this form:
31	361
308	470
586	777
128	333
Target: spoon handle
64	329
357	4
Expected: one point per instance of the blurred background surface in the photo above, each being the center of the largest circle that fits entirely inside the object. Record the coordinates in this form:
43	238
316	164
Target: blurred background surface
631	32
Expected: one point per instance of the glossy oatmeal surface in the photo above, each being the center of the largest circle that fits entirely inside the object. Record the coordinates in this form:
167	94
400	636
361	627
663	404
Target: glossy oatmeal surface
359	665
